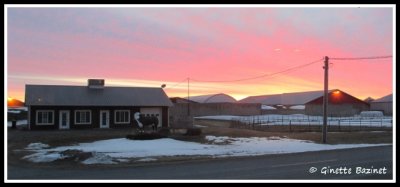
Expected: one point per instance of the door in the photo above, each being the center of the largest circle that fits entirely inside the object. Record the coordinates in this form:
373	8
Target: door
104	119
156	111
64	119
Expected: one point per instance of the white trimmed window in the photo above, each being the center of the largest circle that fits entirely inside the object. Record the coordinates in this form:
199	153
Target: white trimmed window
45	117
83	117
122	116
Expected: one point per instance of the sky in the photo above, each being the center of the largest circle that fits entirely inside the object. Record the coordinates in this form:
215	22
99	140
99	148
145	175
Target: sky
151	46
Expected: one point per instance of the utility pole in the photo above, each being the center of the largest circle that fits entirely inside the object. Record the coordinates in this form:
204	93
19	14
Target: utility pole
325	100
188	105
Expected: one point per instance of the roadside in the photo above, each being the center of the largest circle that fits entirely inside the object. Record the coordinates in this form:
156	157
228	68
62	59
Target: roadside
18	140
266	167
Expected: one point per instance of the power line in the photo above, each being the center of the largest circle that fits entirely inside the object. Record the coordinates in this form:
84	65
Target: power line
261	76
362	58
177	84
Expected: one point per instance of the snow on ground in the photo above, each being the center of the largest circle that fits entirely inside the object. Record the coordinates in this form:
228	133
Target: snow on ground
371	114
221	117
34	146
99	158
200	126
301	119
117	150
267	107
298	107
146	160
19	122
43	156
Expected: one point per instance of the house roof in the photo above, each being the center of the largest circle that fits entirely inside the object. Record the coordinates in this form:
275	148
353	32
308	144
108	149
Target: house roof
213	98
295	98
388	98
56	95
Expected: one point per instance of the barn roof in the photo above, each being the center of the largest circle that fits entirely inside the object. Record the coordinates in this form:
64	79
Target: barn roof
213	98
56	95
388	98
295	98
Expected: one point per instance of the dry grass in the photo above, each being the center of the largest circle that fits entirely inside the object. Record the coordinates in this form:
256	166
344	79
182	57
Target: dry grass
221	128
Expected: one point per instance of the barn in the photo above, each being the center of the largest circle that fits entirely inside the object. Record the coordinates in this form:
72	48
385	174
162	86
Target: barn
92	106
384	104
285	103
213	98
310	103
339	104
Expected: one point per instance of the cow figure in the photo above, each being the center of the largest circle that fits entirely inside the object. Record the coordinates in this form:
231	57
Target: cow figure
144	121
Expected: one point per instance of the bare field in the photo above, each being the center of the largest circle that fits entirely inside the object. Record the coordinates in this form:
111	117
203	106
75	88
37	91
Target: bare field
221	128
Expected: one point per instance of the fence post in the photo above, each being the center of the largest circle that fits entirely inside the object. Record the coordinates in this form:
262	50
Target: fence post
339	124
290	125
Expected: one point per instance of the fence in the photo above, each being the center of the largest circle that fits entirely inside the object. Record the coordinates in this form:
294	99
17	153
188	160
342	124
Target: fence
311	123
211	109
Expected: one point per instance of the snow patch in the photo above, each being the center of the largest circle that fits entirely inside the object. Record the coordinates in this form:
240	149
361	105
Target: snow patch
19	122
147	160
200	126
44	156
111	151
298	107
36	146
266	107
99	158
221	117
371	114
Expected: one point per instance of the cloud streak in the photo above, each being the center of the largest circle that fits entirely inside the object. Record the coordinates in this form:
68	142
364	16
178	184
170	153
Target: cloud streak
156	45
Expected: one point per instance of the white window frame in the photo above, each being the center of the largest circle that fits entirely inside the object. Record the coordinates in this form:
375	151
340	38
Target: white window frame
115	117
37	117
84	123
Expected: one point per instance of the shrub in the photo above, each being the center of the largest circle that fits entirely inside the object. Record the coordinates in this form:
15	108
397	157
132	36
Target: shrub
193	131
145	136
164	131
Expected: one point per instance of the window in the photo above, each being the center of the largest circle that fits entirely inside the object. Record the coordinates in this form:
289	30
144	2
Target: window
83	117
45	117
121	116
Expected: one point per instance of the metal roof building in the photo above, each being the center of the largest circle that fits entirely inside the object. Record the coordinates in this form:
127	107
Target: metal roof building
295	98
213	98
340	103
384	104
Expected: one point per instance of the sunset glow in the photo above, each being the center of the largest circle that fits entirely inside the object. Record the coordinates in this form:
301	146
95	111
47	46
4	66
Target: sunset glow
150	47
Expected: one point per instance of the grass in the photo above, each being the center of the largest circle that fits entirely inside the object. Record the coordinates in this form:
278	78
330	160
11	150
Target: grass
221	128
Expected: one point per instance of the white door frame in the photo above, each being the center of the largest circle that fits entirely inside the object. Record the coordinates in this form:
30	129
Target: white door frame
67	120
107	118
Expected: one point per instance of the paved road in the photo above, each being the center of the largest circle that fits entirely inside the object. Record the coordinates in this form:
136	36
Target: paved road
284	166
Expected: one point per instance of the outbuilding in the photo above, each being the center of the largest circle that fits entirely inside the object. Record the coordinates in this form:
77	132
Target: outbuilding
384	104
213	98
340	103
310	103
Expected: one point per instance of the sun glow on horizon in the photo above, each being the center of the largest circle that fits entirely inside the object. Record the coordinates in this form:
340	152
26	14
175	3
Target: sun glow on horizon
152	47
